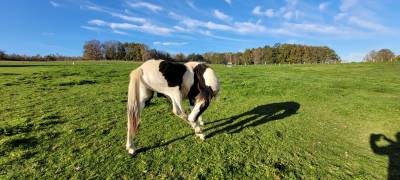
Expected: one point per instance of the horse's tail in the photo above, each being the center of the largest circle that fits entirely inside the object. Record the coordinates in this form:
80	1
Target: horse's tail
133	102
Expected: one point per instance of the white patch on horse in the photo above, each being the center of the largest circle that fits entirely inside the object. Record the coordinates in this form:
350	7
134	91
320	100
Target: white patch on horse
200	119
195	111
211	79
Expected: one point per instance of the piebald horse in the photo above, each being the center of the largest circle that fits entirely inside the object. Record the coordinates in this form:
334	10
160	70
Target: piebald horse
193	80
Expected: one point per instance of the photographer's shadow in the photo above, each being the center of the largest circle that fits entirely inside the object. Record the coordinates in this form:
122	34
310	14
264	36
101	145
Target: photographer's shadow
392	151
257	116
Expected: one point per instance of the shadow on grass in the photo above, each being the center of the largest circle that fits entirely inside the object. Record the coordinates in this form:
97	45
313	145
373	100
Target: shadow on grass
9	74
392	151
26	65
261	114
145	149
258	116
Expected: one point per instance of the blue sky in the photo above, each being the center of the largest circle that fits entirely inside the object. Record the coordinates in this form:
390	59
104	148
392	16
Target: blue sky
350	27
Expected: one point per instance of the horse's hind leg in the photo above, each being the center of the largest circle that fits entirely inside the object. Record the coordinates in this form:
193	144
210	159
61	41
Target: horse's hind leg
144	94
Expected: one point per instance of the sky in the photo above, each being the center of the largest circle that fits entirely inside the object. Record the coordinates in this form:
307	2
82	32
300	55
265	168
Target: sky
351	27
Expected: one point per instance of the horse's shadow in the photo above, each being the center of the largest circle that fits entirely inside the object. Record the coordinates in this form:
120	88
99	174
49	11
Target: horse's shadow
256	116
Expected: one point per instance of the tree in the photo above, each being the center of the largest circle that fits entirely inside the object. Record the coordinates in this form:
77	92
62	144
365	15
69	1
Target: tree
180	57
257	56
196	57
397	59
113	50
92	50
383	55
2	55
370	57
247	57
135	52
154	54
331	56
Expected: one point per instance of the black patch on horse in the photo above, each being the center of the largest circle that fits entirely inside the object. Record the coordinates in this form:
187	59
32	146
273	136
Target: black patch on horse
200	89
198	72
172	72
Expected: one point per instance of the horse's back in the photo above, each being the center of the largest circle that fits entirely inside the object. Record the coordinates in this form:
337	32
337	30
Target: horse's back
161	76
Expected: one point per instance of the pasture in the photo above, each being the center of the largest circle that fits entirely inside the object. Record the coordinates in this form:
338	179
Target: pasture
269	121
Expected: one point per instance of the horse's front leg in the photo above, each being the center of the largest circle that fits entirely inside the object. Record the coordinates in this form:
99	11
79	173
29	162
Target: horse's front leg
199	107
200	119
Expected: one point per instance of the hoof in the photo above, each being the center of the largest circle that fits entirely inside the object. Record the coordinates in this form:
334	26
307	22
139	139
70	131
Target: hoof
201	122
184	117
201	136
131	151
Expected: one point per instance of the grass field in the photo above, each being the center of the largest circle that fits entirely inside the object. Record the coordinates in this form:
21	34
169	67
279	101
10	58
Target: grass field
290	121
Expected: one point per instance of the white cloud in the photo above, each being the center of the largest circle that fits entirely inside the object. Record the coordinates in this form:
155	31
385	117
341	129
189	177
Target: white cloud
248	27
366	24
288	11
146	28
119	32
360	14
340	16
54	4
347	4
129	18
94	8
143	24
114	14
319	29
258	12
288	15
179	28
191	4
215	26
186	21
192	24
220	15
269	12
97	22
91	28
209	34
152	7
169	43
228	1
323	6
257	28
291	2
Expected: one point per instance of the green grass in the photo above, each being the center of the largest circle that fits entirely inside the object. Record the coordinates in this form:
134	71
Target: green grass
290	121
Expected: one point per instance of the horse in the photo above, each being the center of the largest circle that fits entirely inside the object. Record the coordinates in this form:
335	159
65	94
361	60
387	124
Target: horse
193	80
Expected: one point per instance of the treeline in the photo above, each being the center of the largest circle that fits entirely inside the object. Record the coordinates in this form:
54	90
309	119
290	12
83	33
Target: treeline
116	50
383	55
51	57
278	54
